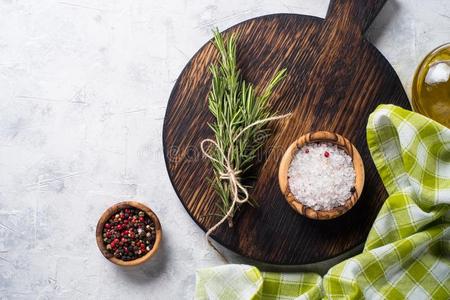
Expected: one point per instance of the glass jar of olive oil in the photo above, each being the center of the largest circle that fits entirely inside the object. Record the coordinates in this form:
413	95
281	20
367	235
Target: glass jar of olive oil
431	86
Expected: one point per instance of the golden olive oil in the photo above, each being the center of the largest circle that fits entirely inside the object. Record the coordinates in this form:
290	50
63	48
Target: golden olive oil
432	100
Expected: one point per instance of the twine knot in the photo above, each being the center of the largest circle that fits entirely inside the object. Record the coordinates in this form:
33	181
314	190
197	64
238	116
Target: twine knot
239	192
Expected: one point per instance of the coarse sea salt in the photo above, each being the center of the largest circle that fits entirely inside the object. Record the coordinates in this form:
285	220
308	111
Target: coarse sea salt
438	73
321	176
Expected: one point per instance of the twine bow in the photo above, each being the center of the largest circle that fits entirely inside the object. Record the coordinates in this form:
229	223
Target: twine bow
231	174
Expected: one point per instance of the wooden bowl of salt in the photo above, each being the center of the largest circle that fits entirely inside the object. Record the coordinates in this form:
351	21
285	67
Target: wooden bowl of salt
321	175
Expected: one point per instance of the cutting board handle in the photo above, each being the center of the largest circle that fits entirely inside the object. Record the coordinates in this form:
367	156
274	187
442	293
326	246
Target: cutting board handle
353	14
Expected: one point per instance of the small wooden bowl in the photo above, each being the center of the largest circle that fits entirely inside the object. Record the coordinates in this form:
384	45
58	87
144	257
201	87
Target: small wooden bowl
341	142
112	211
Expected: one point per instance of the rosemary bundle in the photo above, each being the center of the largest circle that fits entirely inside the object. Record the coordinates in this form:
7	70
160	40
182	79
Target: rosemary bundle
239	127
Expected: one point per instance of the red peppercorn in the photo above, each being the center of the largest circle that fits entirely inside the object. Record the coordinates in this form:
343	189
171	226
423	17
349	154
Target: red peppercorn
107	226
141	219
326	154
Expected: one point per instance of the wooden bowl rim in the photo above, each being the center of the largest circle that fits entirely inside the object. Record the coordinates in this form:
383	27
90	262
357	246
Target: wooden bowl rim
113	210
314	137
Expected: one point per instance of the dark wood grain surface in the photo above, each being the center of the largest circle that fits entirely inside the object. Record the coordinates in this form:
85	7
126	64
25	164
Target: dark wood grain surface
336	78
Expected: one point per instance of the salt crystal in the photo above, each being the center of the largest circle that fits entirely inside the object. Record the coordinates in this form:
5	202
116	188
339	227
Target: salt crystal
319	180
438	73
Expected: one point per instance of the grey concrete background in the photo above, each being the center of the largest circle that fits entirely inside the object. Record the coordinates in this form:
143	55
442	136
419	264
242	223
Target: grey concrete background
83	90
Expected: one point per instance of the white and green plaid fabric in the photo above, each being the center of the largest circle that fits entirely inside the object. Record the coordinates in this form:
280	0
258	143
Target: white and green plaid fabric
407	252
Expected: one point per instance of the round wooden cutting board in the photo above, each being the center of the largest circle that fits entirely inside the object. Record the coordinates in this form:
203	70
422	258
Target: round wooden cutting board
336	78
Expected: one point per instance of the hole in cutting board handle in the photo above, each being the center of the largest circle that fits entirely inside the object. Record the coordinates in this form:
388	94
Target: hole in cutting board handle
353	14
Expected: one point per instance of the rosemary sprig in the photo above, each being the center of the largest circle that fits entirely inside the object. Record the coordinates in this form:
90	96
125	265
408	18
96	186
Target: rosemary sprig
235	105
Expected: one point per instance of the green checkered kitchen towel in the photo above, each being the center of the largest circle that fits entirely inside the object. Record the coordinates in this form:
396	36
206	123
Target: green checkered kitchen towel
407	252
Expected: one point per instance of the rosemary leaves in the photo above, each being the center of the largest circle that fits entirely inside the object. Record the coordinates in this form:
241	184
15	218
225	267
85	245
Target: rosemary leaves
240	119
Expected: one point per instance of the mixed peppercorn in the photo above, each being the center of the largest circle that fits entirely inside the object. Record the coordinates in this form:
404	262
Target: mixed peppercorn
129	234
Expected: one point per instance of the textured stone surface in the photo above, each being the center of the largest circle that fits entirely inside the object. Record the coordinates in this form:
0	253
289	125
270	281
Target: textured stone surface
84	86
